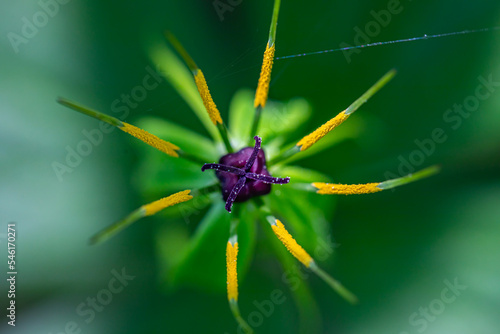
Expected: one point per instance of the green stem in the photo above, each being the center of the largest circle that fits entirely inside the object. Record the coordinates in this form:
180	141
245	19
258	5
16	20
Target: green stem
180	49
305	187
223	133
191	157
139	213
301	293
274	23
409	178
90	112
370	92
255	124
233	305
118	226
284	155
334	284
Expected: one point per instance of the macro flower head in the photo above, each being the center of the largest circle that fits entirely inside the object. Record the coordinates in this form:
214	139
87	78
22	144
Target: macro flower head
245	173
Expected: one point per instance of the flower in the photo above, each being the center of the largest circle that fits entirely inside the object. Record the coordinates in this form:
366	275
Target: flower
244	176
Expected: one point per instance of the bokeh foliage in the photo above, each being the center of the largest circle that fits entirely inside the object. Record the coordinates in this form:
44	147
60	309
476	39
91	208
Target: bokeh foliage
394	248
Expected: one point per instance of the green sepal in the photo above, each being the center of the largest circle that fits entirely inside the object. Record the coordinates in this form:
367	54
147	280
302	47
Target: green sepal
299	174
283	118
279	120
241	111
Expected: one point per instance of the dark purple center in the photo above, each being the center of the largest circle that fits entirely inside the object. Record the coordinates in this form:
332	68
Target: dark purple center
244	175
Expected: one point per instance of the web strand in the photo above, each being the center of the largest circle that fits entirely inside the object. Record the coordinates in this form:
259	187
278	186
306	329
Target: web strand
425	37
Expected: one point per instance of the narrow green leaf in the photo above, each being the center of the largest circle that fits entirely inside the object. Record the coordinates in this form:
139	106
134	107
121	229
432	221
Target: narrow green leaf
279	120
241	112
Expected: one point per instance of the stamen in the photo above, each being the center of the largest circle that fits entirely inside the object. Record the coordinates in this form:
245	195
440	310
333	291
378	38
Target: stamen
206	97
300	254
202	86
143	211
180	77
265	73
146	137
150	139
293	247
165	202
343	189
320	132
232	277
265	77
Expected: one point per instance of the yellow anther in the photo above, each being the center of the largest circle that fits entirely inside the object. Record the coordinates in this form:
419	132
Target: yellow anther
265	78
145	210
154	207
322	131
232	276
160	144
344	189
293	247
206	97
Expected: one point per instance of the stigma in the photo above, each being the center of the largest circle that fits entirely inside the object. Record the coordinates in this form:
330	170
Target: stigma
244	174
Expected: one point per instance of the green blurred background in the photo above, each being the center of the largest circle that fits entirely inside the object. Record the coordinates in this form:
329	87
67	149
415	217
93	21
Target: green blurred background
396	249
